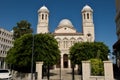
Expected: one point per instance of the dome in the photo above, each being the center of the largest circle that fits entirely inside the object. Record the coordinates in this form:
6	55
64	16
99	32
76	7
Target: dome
43	9
65	22
87	8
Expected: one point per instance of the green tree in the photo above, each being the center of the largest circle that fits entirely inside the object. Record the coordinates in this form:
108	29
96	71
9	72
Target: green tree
22	27
45	49
86	51
48	50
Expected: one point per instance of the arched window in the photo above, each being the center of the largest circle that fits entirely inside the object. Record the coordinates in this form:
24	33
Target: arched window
89	37
65	43
90	16
59	41
42	16
46	17
84	16
87	15
72	41
79	39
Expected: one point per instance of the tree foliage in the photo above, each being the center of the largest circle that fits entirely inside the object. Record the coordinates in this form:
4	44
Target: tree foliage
48	50
45	49
88	50
22	27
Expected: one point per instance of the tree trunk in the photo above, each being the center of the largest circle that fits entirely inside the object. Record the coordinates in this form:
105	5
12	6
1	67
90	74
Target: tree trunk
48	72
73	71
80	69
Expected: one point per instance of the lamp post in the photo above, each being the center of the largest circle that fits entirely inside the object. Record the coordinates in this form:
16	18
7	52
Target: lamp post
32	58
21	29
60	68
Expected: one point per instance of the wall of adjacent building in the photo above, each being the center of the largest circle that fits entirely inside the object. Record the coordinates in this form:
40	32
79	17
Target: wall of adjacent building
117	19
6	42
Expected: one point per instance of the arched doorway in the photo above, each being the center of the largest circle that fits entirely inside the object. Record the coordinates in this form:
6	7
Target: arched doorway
65	61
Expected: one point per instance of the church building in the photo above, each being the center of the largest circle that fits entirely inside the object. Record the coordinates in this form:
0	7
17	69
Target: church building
66	34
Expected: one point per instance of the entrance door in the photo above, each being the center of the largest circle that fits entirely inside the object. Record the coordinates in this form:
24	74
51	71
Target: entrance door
65	61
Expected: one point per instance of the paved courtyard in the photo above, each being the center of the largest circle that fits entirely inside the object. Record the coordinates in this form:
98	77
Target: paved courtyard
65	75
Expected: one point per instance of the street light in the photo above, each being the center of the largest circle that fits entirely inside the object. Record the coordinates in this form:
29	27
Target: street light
21	29
60	68
32	58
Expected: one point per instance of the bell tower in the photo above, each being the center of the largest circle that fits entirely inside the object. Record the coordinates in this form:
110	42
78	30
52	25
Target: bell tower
87	23
43	20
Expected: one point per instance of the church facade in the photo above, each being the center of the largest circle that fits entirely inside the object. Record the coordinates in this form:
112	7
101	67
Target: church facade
66	34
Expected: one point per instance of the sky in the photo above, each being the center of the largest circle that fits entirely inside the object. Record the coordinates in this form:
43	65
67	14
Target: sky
13	11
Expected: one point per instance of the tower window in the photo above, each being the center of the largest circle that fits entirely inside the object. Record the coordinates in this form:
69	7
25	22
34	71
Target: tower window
42	16
87	15
84	16
91	16
88	34
89	37
46	16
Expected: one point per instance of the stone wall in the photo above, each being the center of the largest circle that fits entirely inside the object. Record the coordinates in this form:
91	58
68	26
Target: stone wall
108	71
39	70
27	76
21	76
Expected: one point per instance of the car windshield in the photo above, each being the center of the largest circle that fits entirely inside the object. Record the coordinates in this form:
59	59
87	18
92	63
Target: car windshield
4	71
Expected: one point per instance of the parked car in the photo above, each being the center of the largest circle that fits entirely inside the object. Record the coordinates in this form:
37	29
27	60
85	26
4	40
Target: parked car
5	74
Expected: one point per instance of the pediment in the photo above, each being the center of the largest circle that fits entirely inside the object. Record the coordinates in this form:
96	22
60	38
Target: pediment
65	30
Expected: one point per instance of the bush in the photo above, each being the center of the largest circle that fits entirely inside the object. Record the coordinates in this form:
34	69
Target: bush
97	68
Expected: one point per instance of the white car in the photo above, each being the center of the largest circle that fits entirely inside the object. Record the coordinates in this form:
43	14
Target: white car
5	74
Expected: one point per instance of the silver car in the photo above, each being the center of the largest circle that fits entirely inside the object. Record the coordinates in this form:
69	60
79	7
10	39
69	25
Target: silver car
5	74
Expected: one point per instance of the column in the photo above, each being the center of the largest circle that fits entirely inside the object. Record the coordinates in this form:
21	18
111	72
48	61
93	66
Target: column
61	62
54	67
86	70
61	46
0	65
76	67
61	67
69	64
108	70
4	65
39	70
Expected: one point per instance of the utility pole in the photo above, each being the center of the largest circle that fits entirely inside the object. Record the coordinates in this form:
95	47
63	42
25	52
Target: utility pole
32	58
